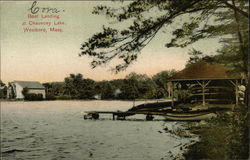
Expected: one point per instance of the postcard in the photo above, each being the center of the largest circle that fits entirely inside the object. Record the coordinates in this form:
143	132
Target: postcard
124	80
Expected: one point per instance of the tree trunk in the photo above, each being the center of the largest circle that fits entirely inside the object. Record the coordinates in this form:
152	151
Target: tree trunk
244	56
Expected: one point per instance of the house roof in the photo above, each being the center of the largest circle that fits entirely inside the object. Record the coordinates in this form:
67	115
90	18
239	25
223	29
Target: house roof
204	70
30	84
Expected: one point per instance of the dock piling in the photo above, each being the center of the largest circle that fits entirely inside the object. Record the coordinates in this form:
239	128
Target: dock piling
149	117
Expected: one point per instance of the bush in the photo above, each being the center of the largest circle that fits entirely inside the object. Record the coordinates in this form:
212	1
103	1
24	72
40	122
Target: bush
33	97
64	97
227	137
183	96
50	97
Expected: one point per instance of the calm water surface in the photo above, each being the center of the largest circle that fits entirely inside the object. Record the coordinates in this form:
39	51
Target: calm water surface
56	130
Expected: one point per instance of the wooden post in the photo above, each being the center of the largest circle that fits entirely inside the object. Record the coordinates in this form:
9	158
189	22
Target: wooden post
169	89
203	86
236	91
203	93
172	93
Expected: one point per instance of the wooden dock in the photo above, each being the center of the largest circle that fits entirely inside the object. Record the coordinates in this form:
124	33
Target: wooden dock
120	115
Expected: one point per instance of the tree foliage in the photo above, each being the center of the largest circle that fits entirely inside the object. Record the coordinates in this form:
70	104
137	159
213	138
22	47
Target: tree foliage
230	130
195	56
133	86
3	90
234	52
79	88
54	89
138	86
161	81
125	44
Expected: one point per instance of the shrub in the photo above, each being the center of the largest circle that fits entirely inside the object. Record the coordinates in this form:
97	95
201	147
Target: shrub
183	96
64	97
50	97
33	97
227	137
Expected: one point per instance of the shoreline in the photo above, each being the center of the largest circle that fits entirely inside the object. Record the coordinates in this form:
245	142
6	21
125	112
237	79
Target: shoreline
181	132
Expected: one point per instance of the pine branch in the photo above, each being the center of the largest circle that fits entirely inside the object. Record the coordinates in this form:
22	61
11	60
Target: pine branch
236	9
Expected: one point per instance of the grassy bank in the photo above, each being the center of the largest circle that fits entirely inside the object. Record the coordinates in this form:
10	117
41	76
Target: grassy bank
224	138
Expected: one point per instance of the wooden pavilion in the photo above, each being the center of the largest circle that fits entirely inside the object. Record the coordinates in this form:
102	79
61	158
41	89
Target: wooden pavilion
206	83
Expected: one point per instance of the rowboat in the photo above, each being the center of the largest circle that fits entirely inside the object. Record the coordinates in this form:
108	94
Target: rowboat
189	116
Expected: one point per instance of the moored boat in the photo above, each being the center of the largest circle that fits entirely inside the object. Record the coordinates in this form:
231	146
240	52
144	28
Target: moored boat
189	116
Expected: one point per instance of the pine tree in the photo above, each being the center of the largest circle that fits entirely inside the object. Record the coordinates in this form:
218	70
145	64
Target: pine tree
203	19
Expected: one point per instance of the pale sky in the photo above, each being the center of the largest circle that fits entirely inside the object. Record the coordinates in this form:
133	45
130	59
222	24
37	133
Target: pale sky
52	56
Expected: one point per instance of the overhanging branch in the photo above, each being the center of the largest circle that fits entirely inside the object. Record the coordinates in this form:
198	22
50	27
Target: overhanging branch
236	9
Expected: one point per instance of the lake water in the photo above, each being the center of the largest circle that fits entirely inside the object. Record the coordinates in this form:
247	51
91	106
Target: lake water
54	130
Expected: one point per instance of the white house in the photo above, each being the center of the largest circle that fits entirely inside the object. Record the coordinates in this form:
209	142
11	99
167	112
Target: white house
15	89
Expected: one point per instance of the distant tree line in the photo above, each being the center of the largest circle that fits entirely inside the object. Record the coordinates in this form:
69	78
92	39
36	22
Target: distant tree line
3	90
133	86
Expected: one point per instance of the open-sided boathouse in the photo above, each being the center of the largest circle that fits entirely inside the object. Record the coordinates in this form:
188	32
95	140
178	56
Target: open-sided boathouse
204	83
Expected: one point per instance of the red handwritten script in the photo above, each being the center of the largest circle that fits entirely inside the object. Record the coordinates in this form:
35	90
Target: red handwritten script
44	20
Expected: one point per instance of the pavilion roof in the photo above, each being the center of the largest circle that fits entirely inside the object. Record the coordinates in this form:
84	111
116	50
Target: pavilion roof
204	70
